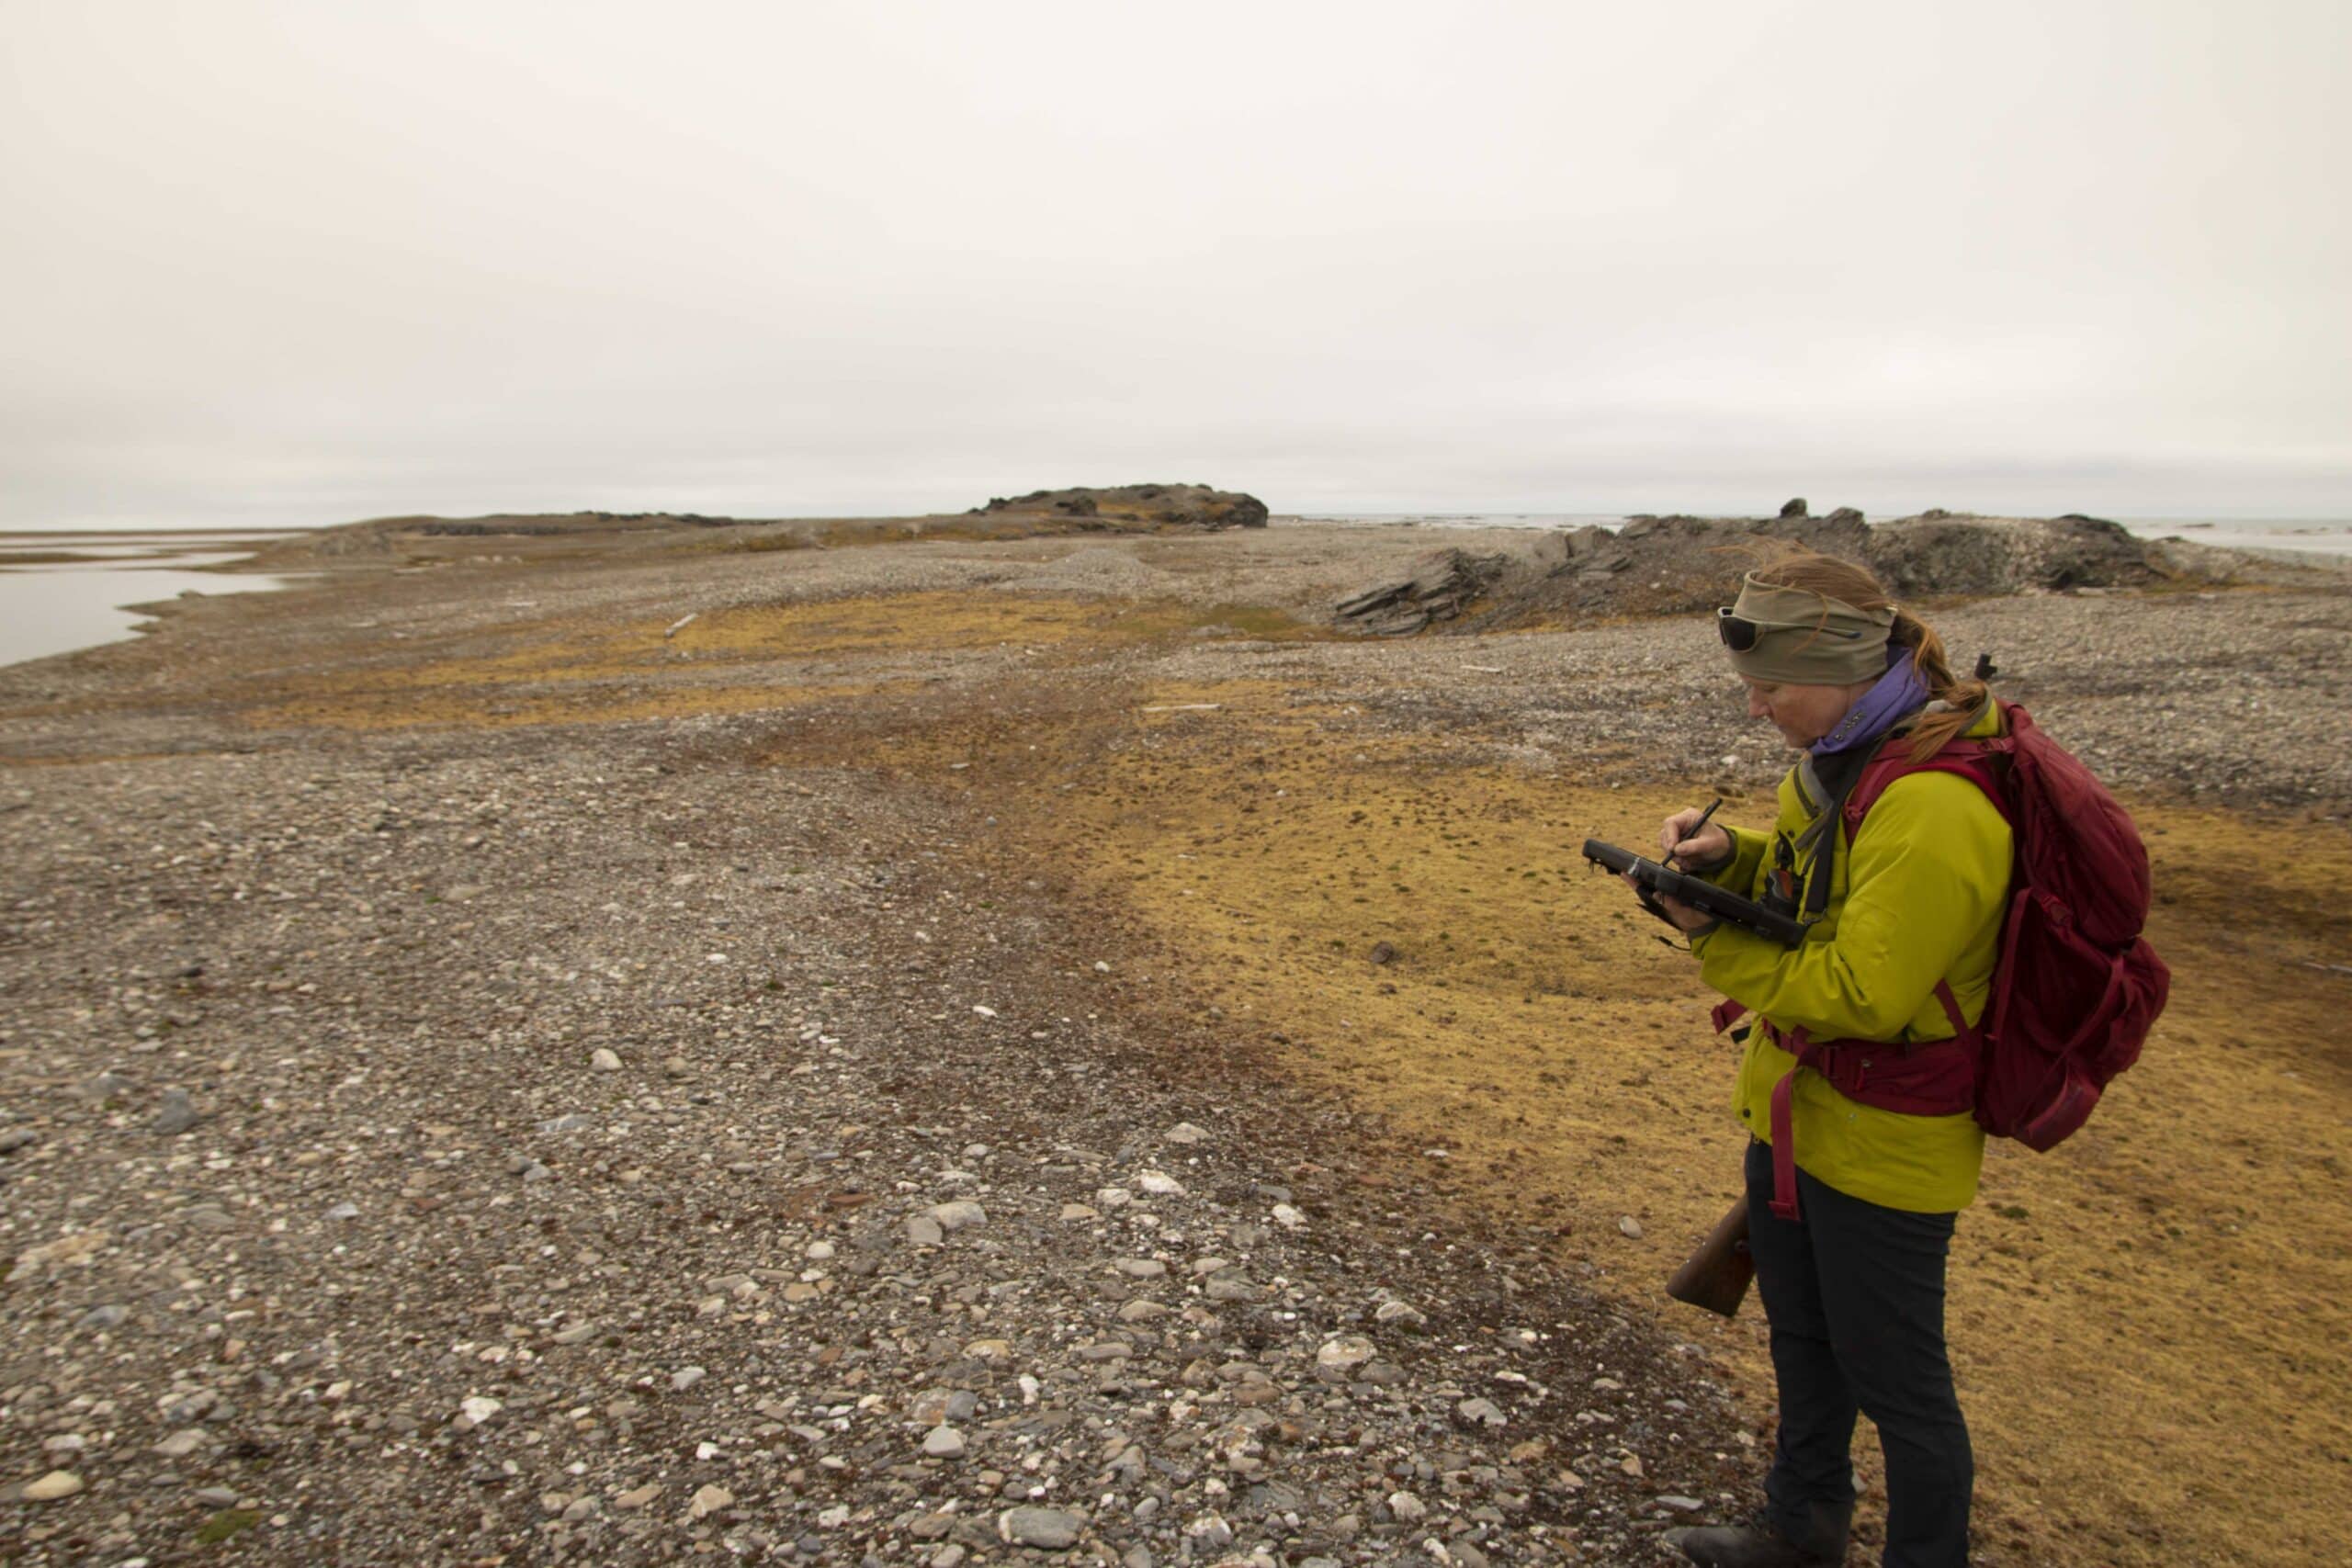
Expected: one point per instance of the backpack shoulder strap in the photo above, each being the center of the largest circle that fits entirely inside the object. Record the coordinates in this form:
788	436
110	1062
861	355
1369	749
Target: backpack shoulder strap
1975	761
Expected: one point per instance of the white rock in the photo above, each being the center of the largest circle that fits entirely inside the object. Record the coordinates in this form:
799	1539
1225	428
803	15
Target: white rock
1159	1184
57	1483
685	1377
1346	1350
708	1500
1210	1532
1289	1218
1630	1225
1185	1133
1114	1197
1406	1506
478	1408
944	1442
959	1215
605	1061
984	1012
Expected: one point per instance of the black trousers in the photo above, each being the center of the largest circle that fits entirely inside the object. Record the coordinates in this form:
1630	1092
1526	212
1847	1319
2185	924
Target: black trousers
1855	1295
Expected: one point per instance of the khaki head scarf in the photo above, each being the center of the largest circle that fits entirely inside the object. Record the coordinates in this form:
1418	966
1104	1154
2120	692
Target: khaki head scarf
1810	639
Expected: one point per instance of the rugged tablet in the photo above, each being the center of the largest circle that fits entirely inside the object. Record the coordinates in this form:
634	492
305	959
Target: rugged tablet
1723	904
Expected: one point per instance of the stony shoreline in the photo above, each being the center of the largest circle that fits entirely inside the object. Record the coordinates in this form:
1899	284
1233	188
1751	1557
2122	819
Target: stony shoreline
627	1126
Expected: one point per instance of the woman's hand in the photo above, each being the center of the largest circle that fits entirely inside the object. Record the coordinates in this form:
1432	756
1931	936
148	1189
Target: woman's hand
1682	914
1709	848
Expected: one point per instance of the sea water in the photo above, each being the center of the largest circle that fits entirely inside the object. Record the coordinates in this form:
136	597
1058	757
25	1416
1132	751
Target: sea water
48	608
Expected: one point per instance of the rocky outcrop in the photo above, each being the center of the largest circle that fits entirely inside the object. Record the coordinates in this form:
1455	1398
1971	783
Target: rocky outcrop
1444	585
1673	565
1980	555
1146	505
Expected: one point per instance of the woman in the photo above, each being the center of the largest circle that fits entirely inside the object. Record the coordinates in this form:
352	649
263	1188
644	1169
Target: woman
1905	918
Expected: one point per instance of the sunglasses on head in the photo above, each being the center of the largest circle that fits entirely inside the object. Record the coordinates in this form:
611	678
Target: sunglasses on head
1741	635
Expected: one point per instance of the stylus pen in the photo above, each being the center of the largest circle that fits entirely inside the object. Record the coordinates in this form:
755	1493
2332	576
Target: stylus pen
1699	824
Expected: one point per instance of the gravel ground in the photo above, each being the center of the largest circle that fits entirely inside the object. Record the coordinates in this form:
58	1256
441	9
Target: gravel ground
708	1180
598	1143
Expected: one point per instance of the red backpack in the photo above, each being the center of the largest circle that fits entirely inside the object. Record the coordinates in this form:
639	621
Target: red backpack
2076	986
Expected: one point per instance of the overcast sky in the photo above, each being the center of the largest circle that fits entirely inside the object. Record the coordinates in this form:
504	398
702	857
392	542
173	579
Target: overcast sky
302	263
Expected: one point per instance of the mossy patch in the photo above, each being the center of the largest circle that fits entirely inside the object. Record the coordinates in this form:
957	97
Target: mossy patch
225	1523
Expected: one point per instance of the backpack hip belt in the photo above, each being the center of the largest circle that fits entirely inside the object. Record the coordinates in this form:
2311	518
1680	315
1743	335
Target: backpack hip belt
1926	1077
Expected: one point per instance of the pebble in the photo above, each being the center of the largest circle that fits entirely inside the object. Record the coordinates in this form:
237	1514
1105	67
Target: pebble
1048	1528
1346	1350
708	1500
1631	1226
944	1442
685	1377
637	1497
960	1215
604	1060
104	1086
1159	1184
1209	1532
925	1231
1185	1133
176	1115
56	1484
1404	1505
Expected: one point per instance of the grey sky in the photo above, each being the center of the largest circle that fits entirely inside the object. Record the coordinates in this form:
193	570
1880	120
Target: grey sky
301	263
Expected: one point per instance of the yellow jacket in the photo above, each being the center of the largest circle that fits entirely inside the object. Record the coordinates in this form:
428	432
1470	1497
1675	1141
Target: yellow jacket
1918	900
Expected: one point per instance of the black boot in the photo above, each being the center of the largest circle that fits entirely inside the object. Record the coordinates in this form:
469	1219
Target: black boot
1758	1544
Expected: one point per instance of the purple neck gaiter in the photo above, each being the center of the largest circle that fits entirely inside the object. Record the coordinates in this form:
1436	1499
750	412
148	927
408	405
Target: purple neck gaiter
1899	693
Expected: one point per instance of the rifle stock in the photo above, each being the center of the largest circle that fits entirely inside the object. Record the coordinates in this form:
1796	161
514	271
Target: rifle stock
1715	1276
